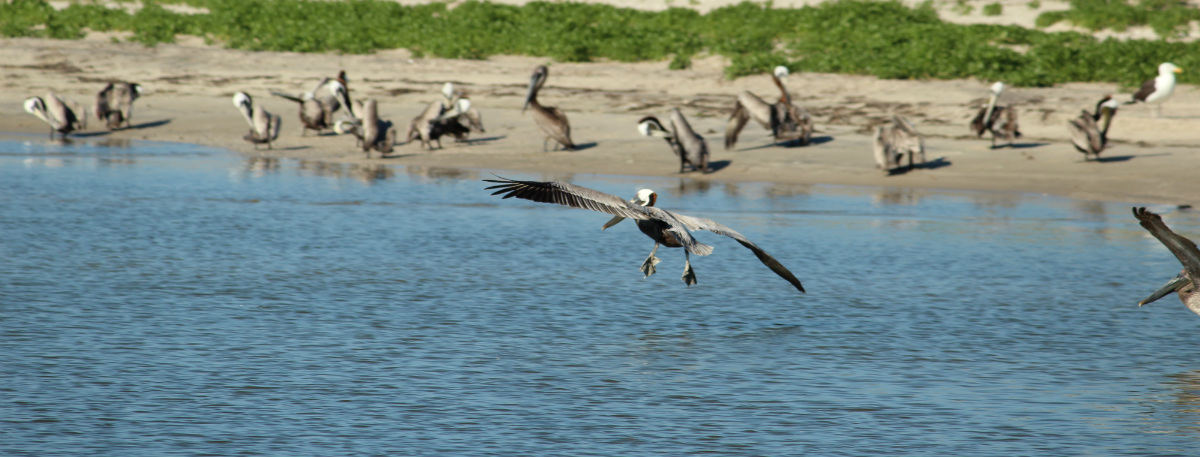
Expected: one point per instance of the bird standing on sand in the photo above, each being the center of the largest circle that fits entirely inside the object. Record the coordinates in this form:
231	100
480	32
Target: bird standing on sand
551	120
1157	90
317	107
787	122
1185	250
62	116
691	148
1000	121
264	126
114	103
1087	134
664	227
895	139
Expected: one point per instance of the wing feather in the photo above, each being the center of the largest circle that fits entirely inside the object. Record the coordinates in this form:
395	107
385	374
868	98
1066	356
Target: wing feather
698	223
1184	249
566	194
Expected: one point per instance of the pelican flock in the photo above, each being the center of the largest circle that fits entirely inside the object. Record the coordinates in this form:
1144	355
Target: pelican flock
1000	121
551	120
264	126
114	103
894	140
62	116
691	148
1156	91
666	228
1089	131
786	121
1185	250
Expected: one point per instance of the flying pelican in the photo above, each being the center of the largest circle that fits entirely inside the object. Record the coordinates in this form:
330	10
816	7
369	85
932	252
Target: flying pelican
786	121
999	120
551	120
666	228
264	126
691	148
317	107
371	132
114	103
1185	250
1088	136
1157	90
63	117
895	139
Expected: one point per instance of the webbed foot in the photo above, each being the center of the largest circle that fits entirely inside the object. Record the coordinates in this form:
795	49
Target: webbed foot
648	266
689	275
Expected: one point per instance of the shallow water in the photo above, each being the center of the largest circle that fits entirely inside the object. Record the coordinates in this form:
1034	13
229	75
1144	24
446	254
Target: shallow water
162	299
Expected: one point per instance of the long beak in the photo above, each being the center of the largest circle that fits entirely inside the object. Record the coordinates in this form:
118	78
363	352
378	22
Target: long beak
529	96
612	222
1171	286
1178	70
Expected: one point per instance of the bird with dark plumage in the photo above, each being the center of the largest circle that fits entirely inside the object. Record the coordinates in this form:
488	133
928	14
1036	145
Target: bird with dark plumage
264	126
1156	91
786	121
551	120
1185	250
62	116
114	103
1000	121
1087	133
895	139
690	147
317	107
666	228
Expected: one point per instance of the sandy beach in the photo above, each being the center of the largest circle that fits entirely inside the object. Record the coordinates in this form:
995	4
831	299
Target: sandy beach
188	88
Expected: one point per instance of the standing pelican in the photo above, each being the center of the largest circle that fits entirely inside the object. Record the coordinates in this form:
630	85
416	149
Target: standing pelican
1157	90
371	132
999	120
551	120
264	126
664	227
1088	136
1185	250
63	117
317	107
787	122
465	117
895	139
688	146
114	103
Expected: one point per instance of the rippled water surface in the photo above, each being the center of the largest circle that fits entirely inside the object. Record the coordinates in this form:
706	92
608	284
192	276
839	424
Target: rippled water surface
160	300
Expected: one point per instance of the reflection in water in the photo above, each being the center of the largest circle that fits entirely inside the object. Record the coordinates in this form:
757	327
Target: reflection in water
370	173
259	166
436	173
898	196
997	200
688	186
113	143
732	189
782	190
117	160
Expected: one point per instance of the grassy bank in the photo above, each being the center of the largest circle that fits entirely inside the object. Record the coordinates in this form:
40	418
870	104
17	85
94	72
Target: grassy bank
1168	18
884	39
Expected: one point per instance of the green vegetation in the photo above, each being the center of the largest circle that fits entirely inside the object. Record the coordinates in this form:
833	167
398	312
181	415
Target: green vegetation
1034	4
993	9
962	7
884	39
1167	17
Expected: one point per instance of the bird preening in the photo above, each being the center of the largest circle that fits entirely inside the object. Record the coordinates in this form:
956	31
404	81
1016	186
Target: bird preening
62	116
114	103
1089	131
1184	284
666	228
318	106
264	126
895	139
999	120
786	121
690	147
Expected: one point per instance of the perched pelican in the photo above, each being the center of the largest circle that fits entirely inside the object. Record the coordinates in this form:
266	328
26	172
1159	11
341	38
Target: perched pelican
999	120
264	126
1185	250
551	120
1088	136
317	107
1157	90
664	227
895	139
691	148
371	133
787	122
114	103
63	117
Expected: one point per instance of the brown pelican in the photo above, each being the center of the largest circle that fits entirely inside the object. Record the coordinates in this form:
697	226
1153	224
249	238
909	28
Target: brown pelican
999	120
551	120
1185	250
465	116
63	117
1088	136
666	228
1157	90
895	139
786	121
264	126
691	148
371	133
317	107
114	103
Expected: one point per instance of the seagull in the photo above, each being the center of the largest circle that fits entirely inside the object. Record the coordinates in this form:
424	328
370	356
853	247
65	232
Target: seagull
1185	250
1157	90
666	228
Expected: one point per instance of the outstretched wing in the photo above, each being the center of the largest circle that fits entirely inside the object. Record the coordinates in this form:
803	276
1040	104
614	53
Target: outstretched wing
699	223
288	96
1184	249
567	194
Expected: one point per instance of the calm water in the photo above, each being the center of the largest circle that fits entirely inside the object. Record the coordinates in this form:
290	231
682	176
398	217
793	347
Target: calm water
161	300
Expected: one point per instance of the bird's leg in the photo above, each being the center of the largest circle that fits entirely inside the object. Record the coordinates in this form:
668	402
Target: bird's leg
689	275
648	266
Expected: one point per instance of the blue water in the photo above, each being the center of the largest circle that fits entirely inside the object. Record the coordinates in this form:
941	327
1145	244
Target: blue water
171	300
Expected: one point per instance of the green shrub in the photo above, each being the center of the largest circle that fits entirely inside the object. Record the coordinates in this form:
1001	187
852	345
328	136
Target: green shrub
993	9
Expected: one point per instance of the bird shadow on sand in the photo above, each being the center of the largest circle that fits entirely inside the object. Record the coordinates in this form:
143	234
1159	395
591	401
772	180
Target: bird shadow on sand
474	141
580	147
295	148
151	124
90	134
791	143
1019	145
928	165
718	165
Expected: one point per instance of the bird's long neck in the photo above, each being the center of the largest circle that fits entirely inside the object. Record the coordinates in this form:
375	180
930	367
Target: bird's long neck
987	114
784	97
1107	114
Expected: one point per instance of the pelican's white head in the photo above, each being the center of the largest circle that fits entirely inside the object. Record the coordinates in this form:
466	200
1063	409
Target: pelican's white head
242	100
997	88
781	72
643	127
342	127
33	105
1167	68
1111	103
646	197
463	105
448	90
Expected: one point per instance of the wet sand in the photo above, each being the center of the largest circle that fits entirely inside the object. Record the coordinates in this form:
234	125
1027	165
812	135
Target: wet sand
189	86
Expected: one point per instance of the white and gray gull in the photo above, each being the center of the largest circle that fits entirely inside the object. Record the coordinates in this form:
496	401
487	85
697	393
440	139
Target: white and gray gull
666	228
1185	250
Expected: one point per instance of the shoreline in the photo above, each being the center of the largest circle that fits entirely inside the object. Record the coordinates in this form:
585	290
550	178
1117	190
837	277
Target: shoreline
188	86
